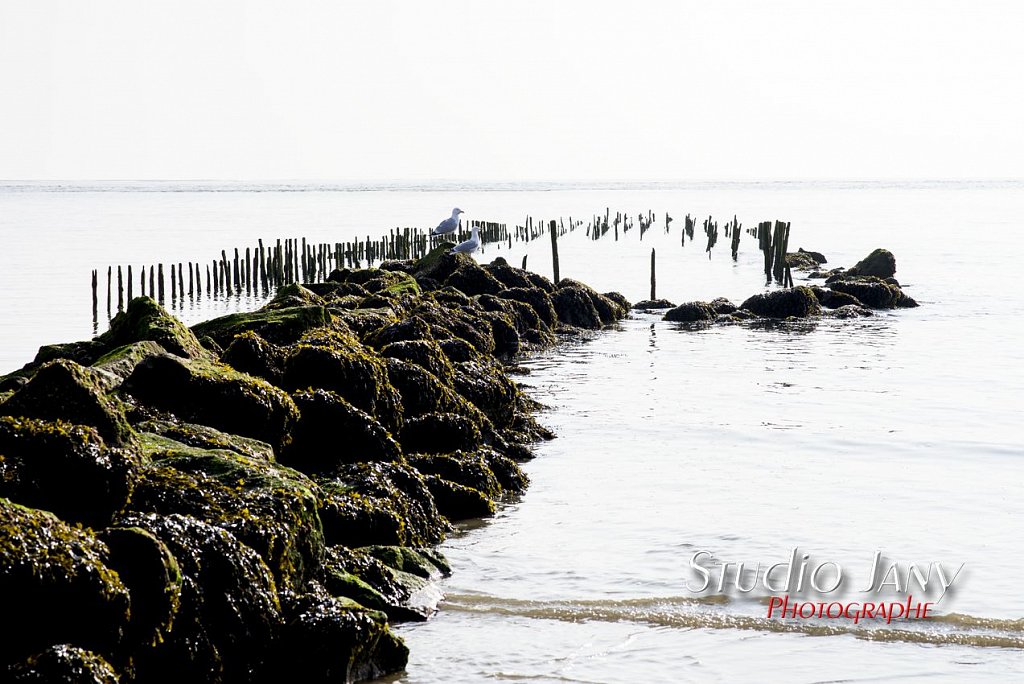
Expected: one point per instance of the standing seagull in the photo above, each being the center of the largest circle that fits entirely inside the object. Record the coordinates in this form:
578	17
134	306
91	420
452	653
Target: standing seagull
469	246
449	225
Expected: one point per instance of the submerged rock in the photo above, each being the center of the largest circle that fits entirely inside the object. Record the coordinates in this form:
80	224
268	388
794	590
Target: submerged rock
654	304
691	312
796	302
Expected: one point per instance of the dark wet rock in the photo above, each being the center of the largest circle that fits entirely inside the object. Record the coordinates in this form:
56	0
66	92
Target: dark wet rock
873	292
425	563
412	328
506	471
85	353
64	468
439	263
14	381
228	608
540	282
538	299
439	433
62	664
401	594
204	437
250	353
279	326
64	390
145	320
797	302
575	307
458	350
832	299
654	304
340	363
619	300
331	432
150	572
329	639
421	391
293	295
607	310
379	503
691	312
269	507
449	297
850	311
507	342
721	306
424	353
488	388
216	395
56	586
121	361
364	321
466	468
880	263
802	260
509	276
458	502
473	279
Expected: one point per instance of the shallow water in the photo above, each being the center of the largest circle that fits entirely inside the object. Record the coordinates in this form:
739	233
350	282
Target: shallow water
898	433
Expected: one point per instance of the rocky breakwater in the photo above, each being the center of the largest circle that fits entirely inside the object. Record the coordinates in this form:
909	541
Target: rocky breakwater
847	293
254	499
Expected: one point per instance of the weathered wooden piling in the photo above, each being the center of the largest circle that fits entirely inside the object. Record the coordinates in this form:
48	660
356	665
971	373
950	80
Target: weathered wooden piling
654	281
553	228
120	290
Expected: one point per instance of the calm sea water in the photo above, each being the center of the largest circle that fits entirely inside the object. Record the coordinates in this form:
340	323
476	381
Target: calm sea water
898	433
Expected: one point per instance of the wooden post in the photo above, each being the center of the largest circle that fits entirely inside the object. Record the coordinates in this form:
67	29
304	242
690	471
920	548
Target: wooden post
110	272
653	280
553	229
524	261
120	290
95	296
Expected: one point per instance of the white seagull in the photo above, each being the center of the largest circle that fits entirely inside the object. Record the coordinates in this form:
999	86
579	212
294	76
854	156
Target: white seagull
469	246
449	225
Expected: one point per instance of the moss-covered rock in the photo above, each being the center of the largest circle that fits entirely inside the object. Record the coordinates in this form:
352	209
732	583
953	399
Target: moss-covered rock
440	263
250	353
872	292
509	276
143	319
412	328
268	506
880	263
63	664
293	295
426	563
466	468
279	326
574	306
228	612
648	304
438	433
342	364
796	302
64	390
328	639
486	386
421	391
215	395
365	579
65	468
120	362
56	586
151	574
331	432
379	503
424	353
203	437
472	279
458	502
691	312
607	310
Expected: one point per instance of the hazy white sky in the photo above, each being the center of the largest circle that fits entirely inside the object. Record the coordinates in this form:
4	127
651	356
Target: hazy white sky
510	90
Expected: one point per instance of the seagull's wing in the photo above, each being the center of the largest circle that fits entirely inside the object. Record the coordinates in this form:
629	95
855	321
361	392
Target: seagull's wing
446	226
